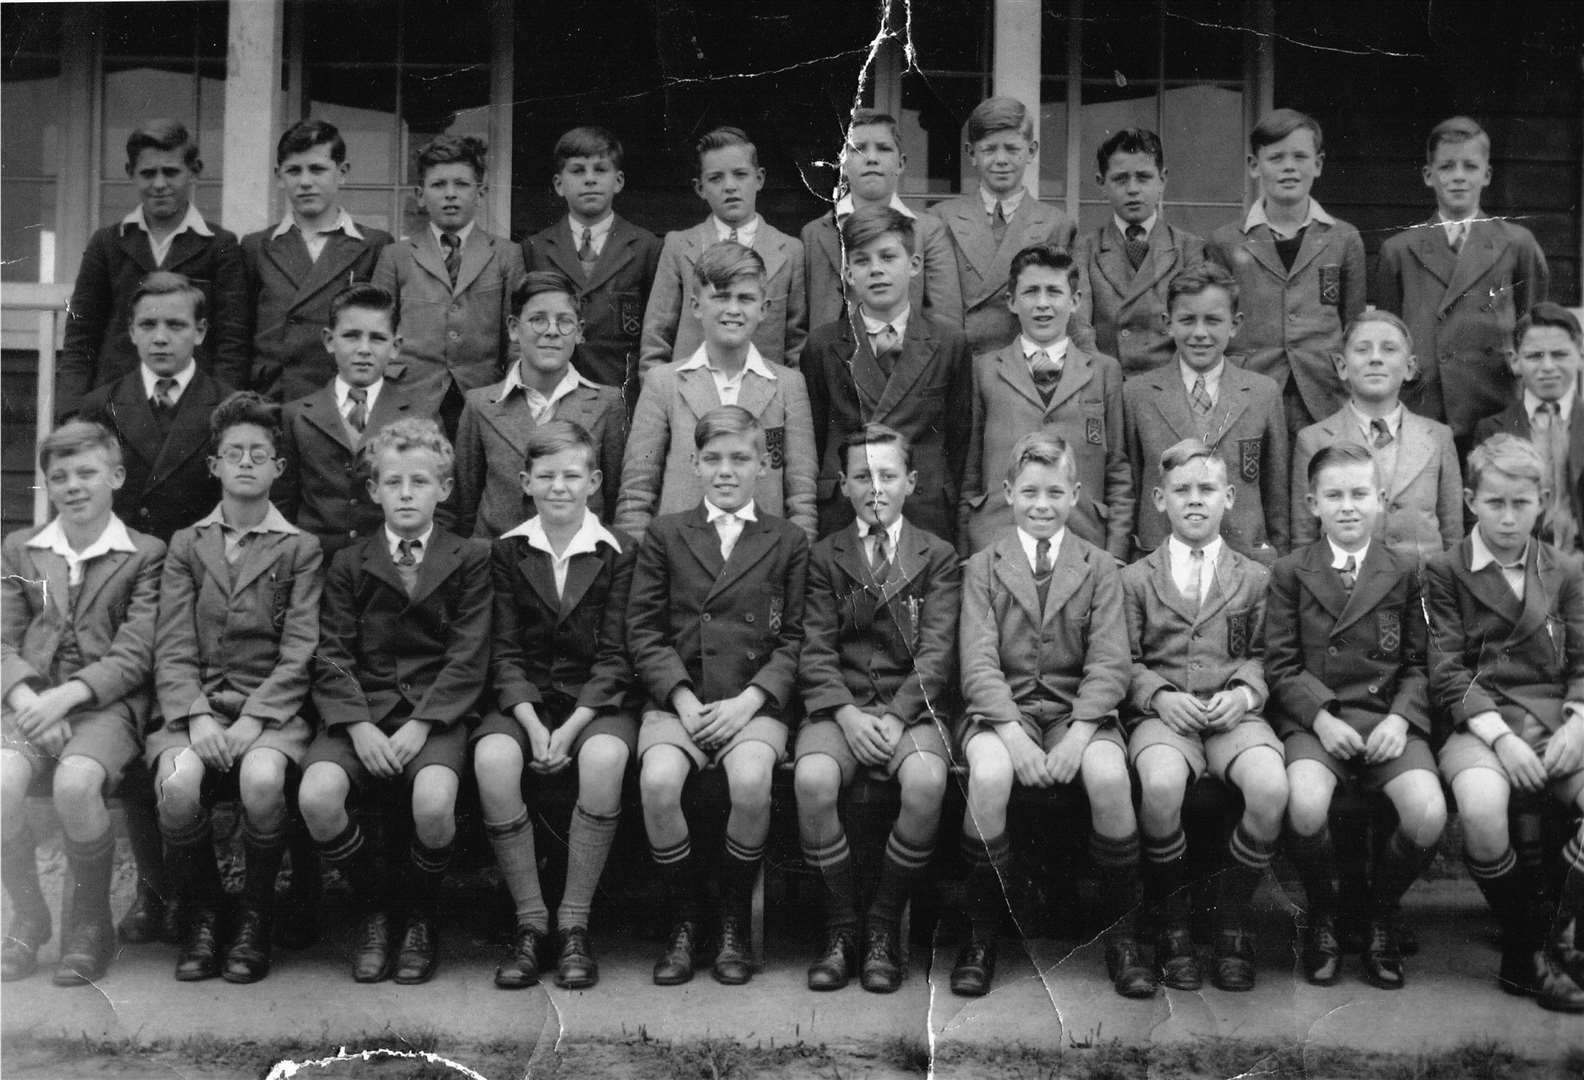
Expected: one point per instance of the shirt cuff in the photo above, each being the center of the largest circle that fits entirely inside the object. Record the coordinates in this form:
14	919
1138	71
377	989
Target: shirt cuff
1251	698
1487	727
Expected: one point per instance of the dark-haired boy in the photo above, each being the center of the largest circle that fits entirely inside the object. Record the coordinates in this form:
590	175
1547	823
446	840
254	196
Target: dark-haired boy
875	673
1000	217
611	261
889	363
296	268
715	623
1344	657
165	232
78	601
1126	264
238	626
729	181
453	284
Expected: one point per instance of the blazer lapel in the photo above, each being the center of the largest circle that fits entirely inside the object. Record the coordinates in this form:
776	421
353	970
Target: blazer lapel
847	552
560	247
258	556
974	239
868	379
704	541
185	246
320	410
756	393
1066	575
1013	569
426	253
825	239
390	405
289	255
697	388
1230	403
1429	248
1159	262
189	429
616	254
437	565
1227	578
753	543
918	351
1371	585
1014	371
1416	446
537	571
771	246
476	254
1166	588
340	252
582	572
1111	258
377	563
57	579
1260	243
135	245
134	416
1543	580
1171	400
498	415
1076	373
96	575
1322	581
1575	459
1482	247
1489	585
1309	248
210	548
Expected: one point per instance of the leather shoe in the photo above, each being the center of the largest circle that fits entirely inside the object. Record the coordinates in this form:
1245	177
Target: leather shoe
148	919
832	969
732	966
415	963
975	969
1558	991
882	970
576	968
248	958
19	953
676	966
1232	965
1522	970
1569	953
200	955
521	967
85	954
1322	952
1403	933
372	963
1383	964
1178	960
1129	976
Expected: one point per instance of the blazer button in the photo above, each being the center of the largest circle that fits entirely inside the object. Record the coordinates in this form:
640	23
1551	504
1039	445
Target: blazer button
406	686
1195	635
453	334
1374	689
753	656
1331	650
748	618
704	617
1125	333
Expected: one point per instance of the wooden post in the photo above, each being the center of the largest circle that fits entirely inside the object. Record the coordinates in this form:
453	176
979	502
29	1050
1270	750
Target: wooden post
1015	64
252	112
502	52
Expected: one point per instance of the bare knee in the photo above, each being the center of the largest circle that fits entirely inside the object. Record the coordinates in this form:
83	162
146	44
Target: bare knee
661	777
816	780
78	787
923	778
1421	811
748	778
263	781
498	767
322	796
434	804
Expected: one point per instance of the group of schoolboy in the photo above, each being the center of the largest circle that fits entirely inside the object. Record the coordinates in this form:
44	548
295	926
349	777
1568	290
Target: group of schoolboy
407	571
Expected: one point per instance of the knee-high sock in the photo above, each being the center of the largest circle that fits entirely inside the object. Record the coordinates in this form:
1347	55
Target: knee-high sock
1314	857
1397	866
676	871
91	862
264	852
984	893
190	855
513	842
350	852
588	846
900	868
1248	857
19	874
739	873
1506	890
833	863
1117	860
426	869
1166	878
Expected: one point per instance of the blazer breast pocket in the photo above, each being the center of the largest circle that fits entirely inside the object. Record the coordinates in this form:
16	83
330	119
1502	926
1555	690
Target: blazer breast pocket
1240	630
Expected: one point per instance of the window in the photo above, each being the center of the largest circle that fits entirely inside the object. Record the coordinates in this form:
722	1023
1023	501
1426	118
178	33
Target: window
952	49
28	164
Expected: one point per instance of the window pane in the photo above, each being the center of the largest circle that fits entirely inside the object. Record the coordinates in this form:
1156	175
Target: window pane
163	60
27	234
953	54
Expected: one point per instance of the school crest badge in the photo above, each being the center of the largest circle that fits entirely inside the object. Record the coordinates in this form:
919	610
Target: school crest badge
1249	459
1238	633
1388	628
777	606
775	446
1331	285
1094	430
629	309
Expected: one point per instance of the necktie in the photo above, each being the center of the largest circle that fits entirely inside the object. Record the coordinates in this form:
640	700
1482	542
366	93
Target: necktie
586	254
1201	397
407	552
998	222
165	393
1195	577
453	254
733	237
1046	374
880	564
729	526
1380	433
1459	233
1136	244
357	415
1349	573
1552	439
1042	570
886	347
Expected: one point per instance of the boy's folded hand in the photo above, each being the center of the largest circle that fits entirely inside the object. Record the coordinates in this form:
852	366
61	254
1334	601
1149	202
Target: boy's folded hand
209	742
558	751
243	733
1226	710
1028	762
1067	755
374	750
1338	739
42	711
864	735
1565	750
538	741
407	741
1179	711
725	718
53	739
1522	765
1387	741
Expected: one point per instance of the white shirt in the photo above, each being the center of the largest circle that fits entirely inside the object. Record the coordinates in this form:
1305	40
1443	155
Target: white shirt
728	386
1182	565
1393	420
182	377
1031	547
1532	405
274	522
1148	225
1056	350
844	206
1339	557
343	397
598	232
317	239
192	222
1453	228
893	534
732	528
1212	379
586	541
746	232
1256	216
1480	557
52	537
540	406
873	326
462	234
1009	202
393	543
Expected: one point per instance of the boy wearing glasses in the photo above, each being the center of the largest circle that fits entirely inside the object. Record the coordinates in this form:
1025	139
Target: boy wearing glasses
543	385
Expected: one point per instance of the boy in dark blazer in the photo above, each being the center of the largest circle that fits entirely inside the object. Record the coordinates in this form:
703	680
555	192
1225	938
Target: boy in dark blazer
78	600
1506	614
544	384
296	268
1461	281
871	163
404	644
1300	269
1344	658
1043	670
999	218
239	623
1126	264
166	232
1043	381
1208	396
1195	617
611	261
453	283
875	673
325	487
729	180
1547	361
891	363
714	626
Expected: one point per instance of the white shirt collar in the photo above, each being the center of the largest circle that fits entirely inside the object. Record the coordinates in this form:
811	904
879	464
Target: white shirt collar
746	512
342	388
343	224
1031	546
462	234
1056	350
893	532
1256	215
1450	227
52	537
873	326
393	542
1339	557
1148	225
1532	404
274	521
191	221
1009	202
746	232
1180	551
1481	556
756	363
513	381
1212	377
590	534
844	206
182	377
597	231
1393	419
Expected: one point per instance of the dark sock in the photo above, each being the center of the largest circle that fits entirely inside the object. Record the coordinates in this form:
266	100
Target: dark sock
1398	866
1502	881
739	873
833	863
19	874
676	872
350	852
1248	857
91	862
304	888
264	852
190	856
426	869
1315	860
984	894
900	868
143	832
1166	878
1570	905
1117	861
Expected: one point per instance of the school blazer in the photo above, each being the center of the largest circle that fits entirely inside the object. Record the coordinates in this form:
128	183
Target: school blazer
1515	421
1423	512
249	643
1013	653
291	295
922	399
97	348
983	266
718	626
1085	411
883	647
324	488
117	606
492	449
657	474
1360	656
1461	309
613	297
935	290
574	644
1489	651
168	484
1293	319
1247	427
1127	308
670	330
379	648
450	334
1204	652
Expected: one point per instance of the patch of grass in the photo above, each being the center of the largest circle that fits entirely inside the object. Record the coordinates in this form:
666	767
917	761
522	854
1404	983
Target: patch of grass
907	1052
